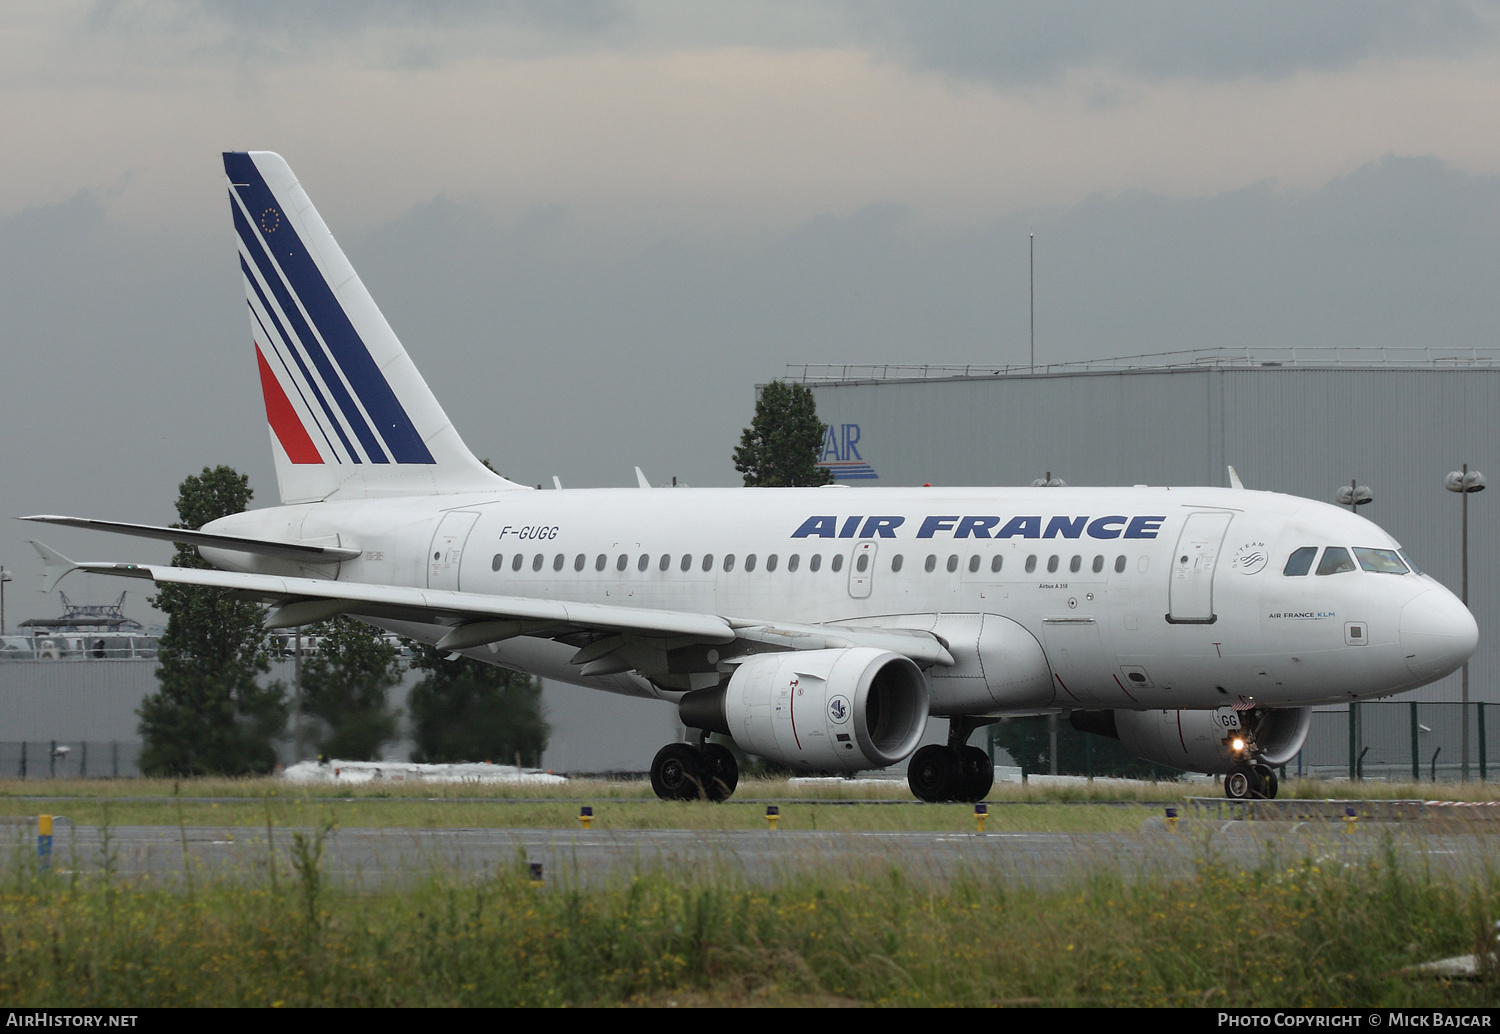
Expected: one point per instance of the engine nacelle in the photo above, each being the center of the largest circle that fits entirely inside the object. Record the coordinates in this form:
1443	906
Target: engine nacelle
828	710
1194	740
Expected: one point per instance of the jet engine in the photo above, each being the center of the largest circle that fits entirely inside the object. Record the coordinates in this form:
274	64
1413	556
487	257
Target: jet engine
819	710
1201	741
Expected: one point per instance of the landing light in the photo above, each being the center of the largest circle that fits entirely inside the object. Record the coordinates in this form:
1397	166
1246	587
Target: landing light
1237	744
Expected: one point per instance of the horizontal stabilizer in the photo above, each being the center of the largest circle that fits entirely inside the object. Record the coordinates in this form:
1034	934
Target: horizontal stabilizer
265	547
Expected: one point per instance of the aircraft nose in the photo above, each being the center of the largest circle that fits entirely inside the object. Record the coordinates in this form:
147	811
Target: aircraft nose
1438	634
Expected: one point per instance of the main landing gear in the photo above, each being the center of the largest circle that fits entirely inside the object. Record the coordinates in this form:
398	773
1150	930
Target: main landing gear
951	772
683	772
1250	782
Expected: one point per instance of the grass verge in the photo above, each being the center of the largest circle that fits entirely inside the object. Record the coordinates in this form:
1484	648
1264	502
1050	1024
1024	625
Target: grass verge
1289	932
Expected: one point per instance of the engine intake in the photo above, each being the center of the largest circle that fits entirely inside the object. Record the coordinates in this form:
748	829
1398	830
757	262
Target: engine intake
822	710
1194	740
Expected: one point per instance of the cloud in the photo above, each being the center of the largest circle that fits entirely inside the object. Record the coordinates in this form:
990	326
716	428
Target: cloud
1026	42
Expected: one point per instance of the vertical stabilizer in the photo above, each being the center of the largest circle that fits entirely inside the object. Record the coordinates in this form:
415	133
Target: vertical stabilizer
350	416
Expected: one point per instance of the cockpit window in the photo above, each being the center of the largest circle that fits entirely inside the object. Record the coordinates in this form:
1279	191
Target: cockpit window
1335	561
1379	561
1407	557
1300	562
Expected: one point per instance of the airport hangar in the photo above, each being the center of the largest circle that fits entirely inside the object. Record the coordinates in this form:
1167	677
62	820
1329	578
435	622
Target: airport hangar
1304	421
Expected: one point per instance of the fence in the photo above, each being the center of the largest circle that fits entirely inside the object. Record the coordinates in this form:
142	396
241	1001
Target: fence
1400	740
77	759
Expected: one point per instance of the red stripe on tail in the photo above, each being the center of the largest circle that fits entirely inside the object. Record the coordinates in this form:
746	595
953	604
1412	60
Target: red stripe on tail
283	418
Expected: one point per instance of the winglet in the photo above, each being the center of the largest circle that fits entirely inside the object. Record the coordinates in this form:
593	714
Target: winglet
1234	478
640	478
56	566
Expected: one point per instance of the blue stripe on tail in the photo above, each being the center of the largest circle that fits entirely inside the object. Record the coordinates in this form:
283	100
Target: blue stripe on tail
301	273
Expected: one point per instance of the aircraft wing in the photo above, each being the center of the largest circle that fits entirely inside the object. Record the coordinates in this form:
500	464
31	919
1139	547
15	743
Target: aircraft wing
478	618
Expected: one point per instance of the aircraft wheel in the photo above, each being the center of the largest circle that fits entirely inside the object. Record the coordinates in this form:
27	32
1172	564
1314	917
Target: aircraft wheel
1268	780
1239	784
978	774
677	773
722	772
933	773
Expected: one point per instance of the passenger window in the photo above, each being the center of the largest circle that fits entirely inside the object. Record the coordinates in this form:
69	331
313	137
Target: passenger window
644	562
729	561
771	563
1052	564
558	561
1336	560
973	563
687	562
622	562
815	562
750	562
708	561
1076	564
896	563
931	564
837	563
863	563
995	564
792	562
1379	561
1031	563
952	564
536	562
497	563
579	561
1300	562
1120	564
515	564
665	563
600	561
1099	563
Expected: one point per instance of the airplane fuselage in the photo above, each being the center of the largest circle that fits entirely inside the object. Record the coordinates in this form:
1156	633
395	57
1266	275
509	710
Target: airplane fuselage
1140	597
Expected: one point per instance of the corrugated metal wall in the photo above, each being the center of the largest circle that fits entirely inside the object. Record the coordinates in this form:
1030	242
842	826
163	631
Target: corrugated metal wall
1300	430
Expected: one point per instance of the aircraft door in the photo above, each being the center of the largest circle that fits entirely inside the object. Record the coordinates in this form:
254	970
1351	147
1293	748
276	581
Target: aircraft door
862	570
1190	594
447	549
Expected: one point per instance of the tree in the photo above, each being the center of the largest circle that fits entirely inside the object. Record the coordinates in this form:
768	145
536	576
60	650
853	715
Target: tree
210	715
1029	743
464	710
345	684
781	446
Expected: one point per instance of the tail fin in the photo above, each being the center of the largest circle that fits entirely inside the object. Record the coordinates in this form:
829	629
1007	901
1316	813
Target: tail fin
350	415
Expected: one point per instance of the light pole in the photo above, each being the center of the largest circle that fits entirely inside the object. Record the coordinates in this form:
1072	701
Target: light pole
1352	495
1465	482
4	577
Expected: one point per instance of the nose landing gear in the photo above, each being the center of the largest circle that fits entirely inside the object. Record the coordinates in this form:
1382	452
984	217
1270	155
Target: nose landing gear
1250	782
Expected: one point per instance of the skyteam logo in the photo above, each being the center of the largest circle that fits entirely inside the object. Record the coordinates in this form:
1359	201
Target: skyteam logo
841	456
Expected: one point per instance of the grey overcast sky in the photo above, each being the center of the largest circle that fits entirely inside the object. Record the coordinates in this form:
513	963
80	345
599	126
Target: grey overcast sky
596	225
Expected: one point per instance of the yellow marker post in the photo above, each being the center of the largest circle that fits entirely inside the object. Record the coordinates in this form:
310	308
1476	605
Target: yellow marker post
773	816
44	841
586	816
981	812
1171	820
1349	820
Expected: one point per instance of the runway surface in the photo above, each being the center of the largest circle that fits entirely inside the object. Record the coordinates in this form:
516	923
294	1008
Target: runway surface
373	858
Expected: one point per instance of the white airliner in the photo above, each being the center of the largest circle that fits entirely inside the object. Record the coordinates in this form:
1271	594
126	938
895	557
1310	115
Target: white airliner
817	627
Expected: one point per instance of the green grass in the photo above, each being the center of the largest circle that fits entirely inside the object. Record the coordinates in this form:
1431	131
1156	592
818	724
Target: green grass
1089	808
1289	932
